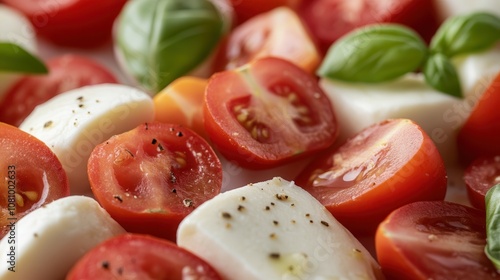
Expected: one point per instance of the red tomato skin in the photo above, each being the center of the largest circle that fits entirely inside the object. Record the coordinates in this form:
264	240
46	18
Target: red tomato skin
236	143
329	20
137	256
408	168
482	174
71	23
246	9
27	164
480	134
145	185
66	72
434	240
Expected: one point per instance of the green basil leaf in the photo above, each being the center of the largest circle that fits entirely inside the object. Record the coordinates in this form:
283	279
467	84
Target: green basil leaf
466	34
375	53
441	74
161	40
15	59
492	248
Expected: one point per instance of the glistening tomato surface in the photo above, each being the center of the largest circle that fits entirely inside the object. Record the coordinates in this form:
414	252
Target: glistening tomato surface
480	135
385	166
75	23
479	177
434	240
150	178
135	256
331	19
266	35
268	112
31	174
66	72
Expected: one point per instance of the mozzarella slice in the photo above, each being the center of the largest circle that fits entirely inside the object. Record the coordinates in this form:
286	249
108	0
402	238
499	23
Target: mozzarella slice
47	242
477	70
448	8
74	122
274	230
361	105
15	28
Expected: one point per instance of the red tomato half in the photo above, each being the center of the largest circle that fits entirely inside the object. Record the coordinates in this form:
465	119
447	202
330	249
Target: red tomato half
434	240
65	73
74	23
268	112
266	35
479	177
246	9
31	174
150	178
331	19
480	135
382	168
135	256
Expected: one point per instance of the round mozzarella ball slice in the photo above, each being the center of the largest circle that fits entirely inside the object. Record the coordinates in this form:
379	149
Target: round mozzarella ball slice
15	28
74	122
274	230
47	242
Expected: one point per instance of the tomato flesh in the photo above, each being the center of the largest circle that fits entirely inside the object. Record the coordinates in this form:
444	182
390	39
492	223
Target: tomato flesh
73	23
268	112
480	134
151	177
32	175
479	177
66	72
135	256
331	19
434	240
380	169
265	35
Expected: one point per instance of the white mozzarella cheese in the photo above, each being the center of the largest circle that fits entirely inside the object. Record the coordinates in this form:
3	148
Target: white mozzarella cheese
47	242
274	230
74	122
448	8
358	106
477	70
15	28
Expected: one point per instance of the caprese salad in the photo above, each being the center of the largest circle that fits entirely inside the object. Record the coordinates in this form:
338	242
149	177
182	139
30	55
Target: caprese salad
236	139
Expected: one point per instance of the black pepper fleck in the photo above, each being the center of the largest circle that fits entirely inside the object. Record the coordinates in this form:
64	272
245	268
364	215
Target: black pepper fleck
311	221
226	215
80	105
275	222
47	124
268	208
242	198
325	223
179	134
274	256
119	198
241	207
154	141
105	264
174	190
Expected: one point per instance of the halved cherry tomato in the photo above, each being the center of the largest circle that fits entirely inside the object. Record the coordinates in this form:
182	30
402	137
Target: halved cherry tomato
181	102
268	112
66	72
331	19
74	23
434	240
246	9
385	166
151	177
480	134
267	35
136	256
31	174
479	177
